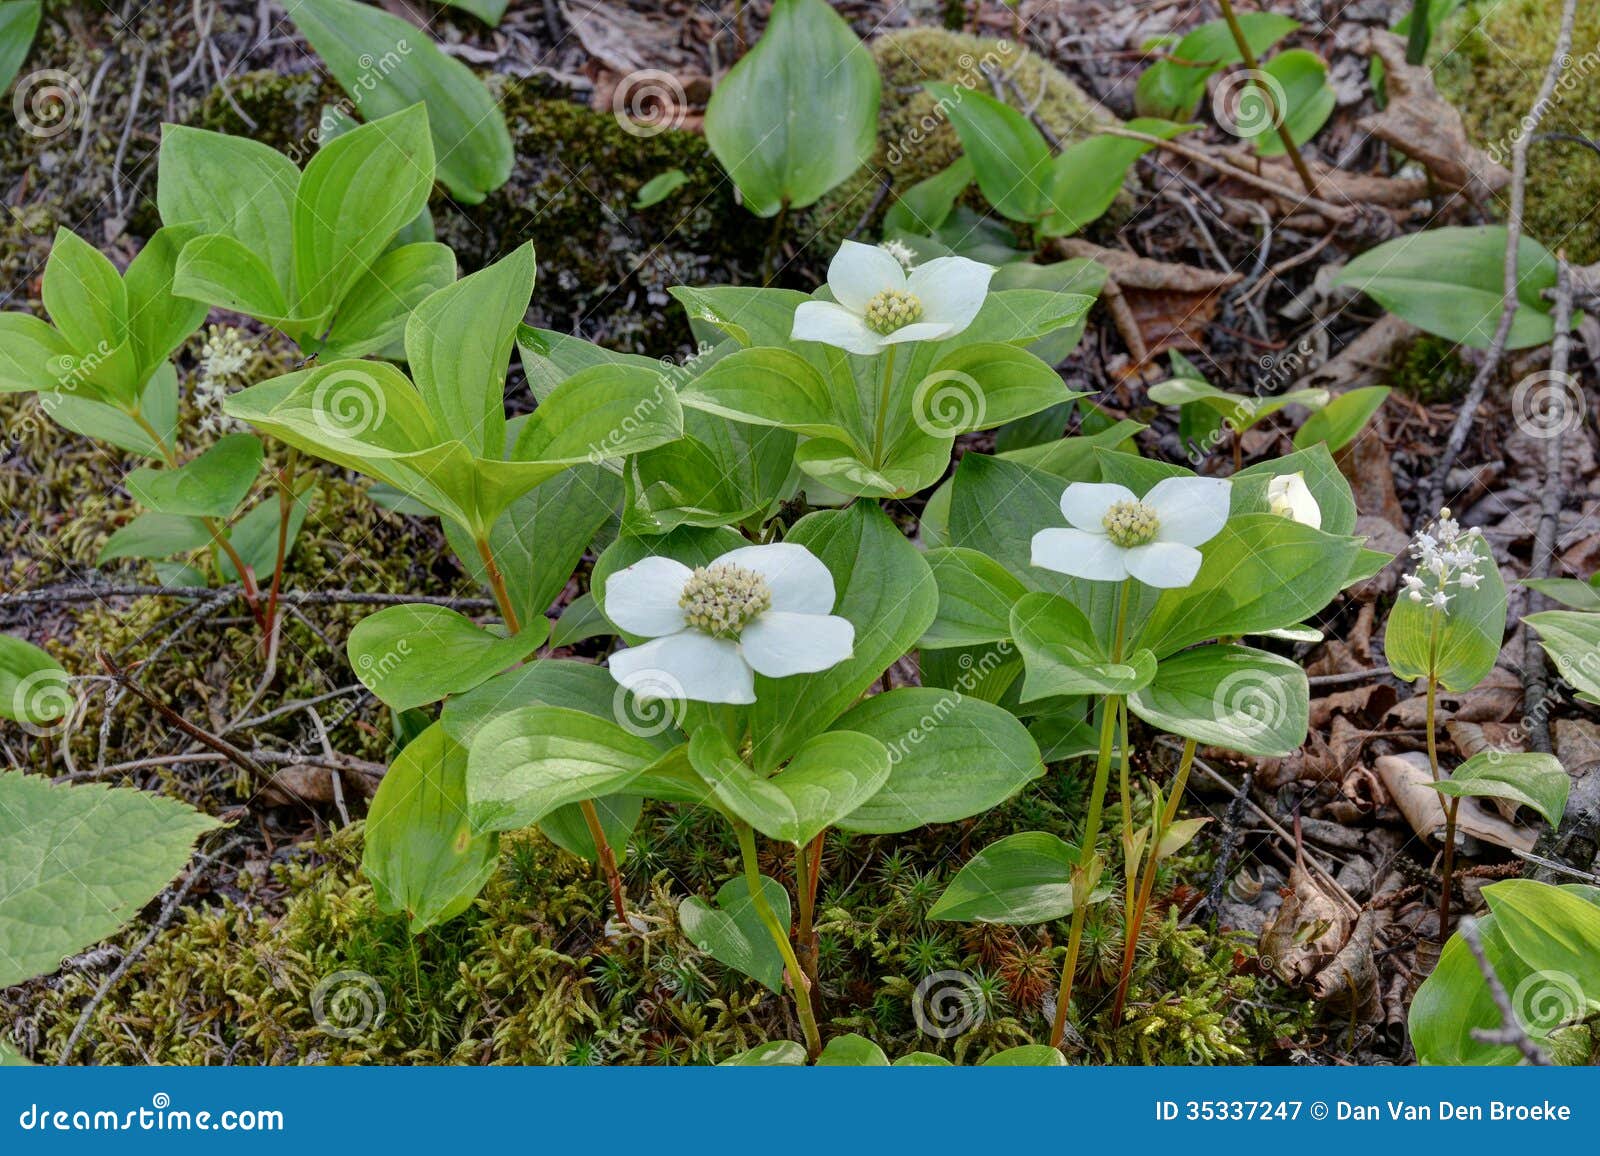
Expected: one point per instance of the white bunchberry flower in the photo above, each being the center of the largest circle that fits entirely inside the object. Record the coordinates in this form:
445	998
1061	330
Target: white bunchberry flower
900	251
1115	535
1446	556
755	610
1290	497
876	304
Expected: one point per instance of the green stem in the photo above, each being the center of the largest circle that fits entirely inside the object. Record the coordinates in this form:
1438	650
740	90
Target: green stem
774	240
1248	55
1420	34
780	936
880	420
1448	866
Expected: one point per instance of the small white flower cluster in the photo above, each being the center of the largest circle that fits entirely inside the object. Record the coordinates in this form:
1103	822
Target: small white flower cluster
1446	556
224	358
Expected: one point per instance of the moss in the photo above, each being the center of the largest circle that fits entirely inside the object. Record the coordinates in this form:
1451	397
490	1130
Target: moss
604	266
284	111
914	138
1430	369
1493	74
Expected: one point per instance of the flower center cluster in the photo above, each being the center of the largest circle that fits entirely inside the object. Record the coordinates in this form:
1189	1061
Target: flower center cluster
892	309
722	599
1130	524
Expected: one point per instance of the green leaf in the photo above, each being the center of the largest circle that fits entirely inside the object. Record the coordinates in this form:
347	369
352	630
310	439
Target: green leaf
775	387
1530	780
1086	178
221	270
976	595
153	535
230	185
568	829
772	1054
19	20
529	762
921	1060
884	588
34	688
983	385
158	321
357	191
1021	879
1261	572
659	187
1237	697
798	114
458	348
1010	159
1459	645
158	404
76	863
489	11
1450	282
1172	87
33	355
923	207
950	757
210	486
1338	422
829	777
372	317
580	619
1240	411
386	65
1027	1056
1062	657
733	932
1572	640
84	295
562	682
1304	102
1567	591
420	854
852	1051
1321	473
412	655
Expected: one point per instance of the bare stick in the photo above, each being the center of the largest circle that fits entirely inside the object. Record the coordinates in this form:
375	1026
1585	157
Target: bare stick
88	592
1510	301
1510	1030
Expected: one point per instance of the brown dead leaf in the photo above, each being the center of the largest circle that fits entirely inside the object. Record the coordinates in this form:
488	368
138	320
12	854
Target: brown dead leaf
1409	783
1307	932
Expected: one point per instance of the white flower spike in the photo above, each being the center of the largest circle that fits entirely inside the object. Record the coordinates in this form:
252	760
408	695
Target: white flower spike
1446	556
1115	535
1290	497
755	610
876	304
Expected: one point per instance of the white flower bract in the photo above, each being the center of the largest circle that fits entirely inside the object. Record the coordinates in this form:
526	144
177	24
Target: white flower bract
1290	497
1114	535
755	610
876	303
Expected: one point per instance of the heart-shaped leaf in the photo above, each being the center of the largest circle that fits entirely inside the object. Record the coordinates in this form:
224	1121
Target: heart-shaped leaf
733	932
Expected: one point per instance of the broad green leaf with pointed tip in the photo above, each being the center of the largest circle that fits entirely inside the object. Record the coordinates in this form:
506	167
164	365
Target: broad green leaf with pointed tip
976	595
1459	645
372	317
224	271
412	655
34	688
659	187
951	756
1061	656
527	763
1572	640
1173	85
77	862
84	294
982	385
1571	592
1019	880
1086	177
852	1051
231	185
80	411
828	778
458	349
775	387
1529	780
1240	410
921	209
388	65
210	486
354	195
34	356
158	321
420	854
1010	159
798	114
1339	422
562	682
734	934
19	20
1237	697
153	535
